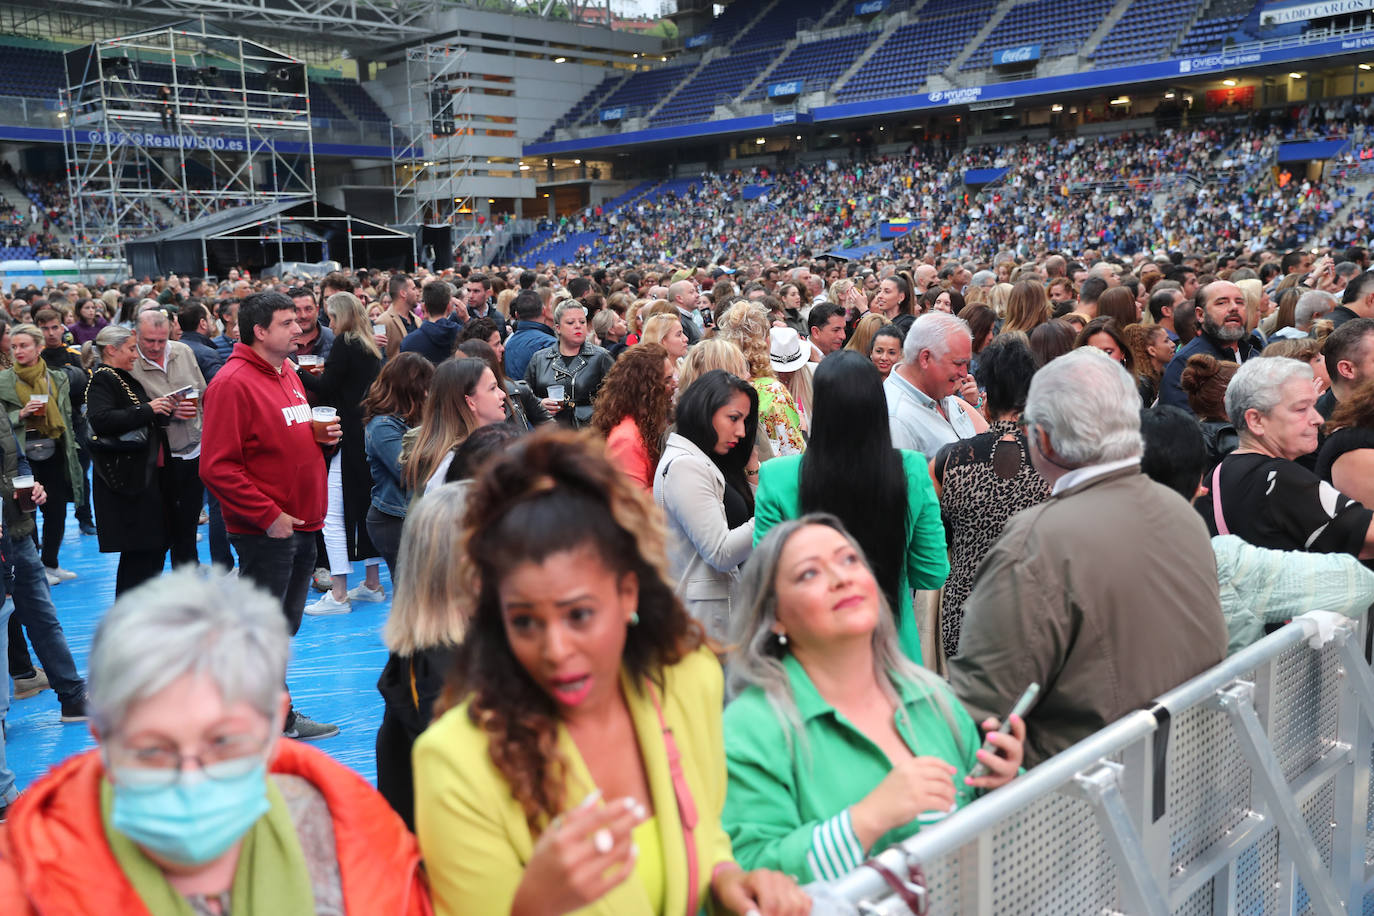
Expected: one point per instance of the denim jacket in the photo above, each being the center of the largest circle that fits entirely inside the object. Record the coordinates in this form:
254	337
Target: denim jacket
382	439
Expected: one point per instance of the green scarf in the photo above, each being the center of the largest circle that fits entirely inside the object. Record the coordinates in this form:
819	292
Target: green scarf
32	380
271	877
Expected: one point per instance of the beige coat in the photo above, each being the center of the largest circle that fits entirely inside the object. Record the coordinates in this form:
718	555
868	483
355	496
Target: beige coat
1105	594
704	552
183	436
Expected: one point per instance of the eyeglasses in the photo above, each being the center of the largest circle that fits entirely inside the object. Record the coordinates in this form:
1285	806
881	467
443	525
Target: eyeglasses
225	757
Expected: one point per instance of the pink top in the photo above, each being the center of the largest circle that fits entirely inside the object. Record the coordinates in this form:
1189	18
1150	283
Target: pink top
625	448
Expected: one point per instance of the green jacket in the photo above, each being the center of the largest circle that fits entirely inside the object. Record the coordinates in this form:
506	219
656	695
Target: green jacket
927	558
787	806
17	524
58	384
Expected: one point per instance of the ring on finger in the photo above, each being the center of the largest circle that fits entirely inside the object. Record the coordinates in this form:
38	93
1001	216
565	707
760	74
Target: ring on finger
602	841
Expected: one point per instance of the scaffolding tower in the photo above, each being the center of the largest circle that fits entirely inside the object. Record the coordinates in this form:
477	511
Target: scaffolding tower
431	153
177	123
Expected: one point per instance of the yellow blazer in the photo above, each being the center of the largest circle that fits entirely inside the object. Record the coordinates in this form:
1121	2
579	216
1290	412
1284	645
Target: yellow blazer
473	835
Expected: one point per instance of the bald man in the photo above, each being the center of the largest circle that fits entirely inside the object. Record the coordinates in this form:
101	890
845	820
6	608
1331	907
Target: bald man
683	295
1221	333
924	275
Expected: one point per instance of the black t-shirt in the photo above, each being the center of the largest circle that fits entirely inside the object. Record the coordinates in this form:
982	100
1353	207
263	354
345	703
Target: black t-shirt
1350	439
1278	504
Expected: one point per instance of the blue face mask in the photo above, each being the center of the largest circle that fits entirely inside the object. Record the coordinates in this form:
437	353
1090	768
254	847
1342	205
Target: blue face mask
196	818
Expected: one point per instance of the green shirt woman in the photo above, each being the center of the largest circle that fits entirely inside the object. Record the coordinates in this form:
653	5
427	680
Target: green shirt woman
837	746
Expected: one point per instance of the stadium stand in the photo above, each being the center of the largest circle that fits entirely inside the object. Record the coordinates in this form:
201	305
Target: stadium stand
584	105
816	63
914	52
646	88
725	76
362	105
780	23
1081	192
1145	32
1060	26
1218	22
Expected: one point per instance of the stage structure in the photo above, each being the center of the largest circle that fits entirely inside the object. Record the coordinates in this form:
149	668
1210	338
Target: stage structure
179	123
260	236
432	153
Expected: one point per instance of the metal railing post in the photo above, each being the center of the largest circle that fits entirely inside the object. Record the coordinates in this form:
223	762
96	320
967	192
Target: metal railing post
1269	783
1101	787
1351	800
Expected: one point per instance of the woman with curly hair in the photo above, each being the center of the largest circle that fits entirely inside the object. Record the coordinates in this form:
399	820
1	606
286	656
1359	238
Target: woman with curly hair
1151	349
632	410
745	324
580	764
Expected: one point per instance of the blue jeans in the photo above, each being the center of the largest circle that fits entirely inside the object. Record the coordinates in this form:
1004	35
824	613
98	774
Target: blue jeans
220	554
27	584
8	792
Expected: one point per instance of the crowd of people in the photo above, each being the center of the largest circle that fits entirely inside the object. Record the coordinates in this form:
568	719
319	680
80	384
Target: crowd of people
1056	193
710	579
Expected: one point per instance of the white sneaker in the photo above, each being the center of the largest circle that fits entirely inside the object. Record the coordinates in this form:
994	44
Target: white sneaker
367	595
328	606
51	577
63	575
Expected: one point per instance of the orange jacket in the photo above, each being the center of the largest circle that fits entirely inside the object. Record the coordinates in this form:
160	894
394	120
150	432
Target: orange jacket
54	859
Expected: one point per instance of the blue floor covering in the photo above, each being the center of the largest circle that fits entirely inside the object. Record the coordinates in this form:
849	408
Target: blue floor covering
333	673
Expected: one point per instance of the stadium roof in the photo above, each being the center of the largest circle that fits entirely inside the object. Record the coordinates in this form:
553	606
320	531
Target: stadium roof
354	22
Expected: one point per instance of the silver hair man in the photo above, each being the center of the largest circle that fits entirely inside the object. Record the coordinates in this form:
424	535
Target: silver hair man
932	331
1088	407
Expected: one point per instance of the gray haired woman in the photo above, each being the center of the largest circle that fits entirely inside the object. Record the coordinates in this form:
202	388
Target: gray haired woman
566	376
127	438
1259	491
192	799
823	688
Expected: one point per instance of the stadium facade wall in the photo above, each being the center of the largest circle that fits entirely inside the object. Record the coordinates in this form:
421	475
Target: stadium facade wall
509	90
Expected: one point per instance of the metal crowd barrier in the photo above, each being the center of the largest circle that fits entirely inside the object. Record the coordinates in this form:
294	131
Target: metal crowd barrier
1244	792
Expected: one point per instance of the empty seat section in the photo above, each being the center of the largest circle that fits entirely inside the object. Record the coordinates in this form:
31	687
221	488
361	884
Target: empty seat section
722	77
1145	31
819	61
1057	26
915	51
780	24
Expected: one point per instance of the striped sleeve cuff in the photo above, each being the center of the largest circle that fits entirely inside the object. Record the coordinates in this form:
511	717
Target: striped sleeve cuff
835	850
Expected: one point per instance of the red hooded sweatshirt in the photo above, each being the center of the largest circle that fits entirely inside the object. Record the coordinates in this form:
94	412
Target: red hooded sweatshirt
258	454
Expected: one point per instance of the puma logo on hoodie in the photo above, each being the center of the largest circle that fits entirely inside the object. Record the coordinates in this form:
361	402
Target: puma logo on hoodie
258	452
